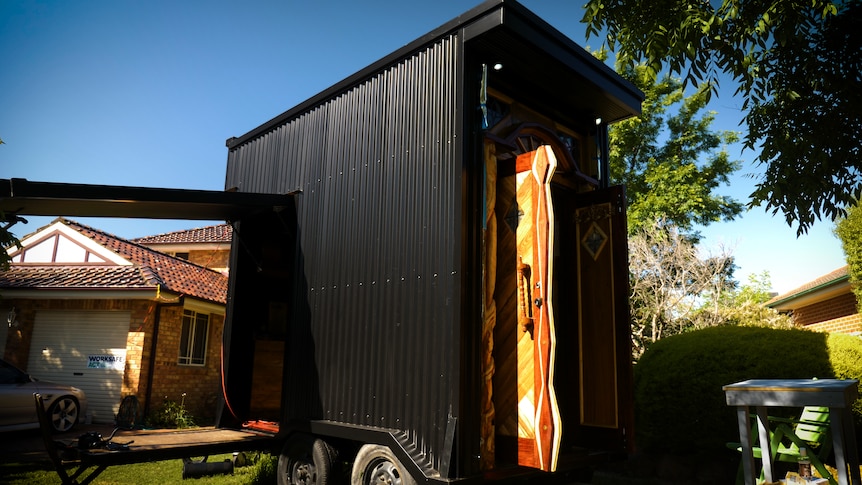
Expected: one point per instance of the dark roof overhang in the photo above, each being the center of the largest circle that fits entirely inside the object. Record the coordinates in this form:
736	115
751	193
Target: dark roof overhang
546	70
561	73
21	197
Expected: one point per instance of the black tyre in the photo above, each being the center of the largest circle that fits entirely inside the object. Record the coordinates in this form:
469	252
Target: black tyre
127	416
195	459
376	464
63	413
306	460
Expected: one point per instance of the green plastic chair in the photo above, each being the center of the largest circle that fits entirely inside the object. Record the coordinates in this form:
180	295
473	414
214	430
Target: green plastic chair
811	431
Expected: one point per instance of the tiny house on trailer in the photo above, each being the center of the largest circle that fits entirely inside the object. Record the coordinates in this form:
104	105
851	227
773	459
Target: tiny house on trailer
428	273
446	296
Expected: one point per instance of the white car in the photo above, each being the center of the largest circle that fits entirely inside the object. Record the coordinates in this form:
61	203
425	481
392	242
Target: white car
64	404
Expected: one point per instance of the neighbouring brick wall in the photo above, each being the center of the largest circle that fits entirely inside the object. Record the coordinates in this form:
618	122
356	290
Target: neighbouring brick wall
201	384
849	324
838	307
138	344
18	338
213	259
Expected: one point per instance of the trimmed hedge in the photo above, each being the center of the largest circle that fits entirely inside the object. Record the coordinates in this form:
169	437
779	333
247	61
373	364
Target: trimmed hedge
680	406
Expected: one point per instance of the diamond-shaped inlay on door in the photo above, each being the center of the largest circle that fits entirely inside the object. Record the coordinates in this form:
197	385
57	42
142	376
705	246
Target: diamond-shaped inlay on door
594	240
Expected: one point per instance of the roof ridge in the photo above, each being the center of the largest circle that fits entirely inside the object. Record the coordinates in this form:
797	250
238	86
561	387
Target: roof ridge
170	272
70	222
821	281
173	236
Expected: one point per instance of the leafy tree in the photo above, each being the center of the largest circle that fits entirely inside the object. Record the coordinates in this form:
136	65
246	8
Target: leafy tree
797	67
676	288
743	306
7	239
671	162
673	180
669	280
849	231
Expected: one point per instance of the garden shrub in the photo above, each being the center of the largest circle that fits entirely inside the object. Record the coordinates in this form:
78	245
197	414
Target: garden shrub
171	415
679	402
845	354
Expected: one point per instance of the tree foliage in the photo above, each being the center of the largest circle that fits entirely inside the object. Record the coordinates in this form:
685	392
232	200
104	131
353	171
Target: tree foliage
670	159
669	280
7	239
676	288
849	231
742	306
797	66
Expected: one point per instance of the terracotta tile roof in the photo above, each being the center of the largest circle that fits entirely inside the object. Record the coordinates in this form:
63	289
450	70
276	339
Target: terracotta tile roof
150	268
77	277
220	233
832	277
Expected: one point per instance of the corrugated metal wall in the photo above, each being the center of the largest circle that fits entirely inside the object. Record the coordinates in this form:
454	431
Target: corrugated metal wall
379	226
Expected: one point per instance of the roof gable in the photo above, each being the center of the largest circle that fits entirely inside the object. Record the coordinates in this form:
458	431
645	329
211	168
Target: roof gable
59	243
147	268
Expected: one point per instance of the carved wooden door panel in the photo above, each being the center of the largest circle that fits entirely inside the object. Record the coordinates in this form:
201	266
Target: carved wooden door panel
596	267
538	416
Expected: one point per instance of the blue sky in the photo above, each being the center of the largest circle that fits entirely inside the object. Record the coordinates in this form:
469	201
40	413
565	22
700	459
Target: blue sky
125	92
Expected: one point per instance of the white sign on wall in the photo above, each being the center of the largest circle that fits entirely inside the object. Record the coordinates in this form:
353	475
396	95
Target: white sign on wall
106	361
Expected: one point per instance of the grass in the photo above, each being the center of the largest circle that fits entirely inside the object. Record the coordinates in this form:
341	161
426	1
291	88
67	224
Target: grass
155	473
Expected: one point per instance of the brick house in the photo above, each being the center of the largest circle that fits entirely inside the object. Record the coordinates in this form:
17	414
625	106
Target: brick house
826	304
115	317
205	246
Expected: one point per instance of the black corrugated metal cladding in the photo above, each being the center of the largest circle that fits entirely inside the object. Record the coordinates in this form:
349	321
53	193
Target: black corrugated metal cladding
379	225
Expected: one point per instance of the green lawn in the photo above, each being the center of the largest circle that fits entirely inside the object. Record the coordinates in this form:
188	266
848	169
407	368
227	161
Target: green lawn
156	473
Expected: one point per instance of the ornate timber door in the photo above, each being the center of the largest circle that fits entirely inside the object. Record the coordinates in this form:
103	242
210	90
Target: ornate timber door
538	415
556	350
593	226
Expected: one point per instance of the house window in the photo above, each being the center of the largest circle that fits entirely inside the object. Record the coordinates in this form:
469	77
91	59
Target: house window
193	340
184	255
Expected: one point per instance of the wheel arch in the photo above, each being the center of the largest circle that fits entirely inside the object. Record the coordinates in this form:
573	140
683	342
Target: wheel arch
349	439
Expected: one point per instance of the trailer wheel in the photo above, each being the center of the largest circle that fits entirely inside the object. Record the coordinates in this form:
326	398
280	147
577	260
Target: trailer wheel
306	460
377	465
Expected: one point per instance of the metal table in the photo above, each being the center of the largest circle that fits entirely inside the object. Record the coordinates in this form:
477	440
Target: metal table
837	395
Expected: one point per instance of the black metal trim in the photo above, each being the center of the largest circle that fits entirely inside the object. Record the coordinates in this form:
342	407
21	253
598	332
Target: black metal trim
23	197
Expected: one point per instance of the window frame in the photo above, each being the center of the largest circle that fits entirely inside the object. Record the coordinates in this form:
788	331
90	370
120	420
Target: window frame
189	351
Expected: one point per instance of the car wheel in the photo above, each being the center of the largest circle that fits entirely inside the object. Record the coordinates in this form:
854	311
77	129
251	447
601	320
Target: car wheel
63	414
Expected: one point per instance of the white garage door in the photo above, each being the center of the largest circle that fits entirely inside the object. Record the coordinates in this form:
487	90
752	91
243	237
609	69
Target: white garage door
85	349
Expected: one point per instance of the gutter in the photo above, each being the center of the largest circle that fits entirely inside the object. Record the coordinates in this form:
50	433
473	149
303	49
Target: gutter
153	349
808	292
